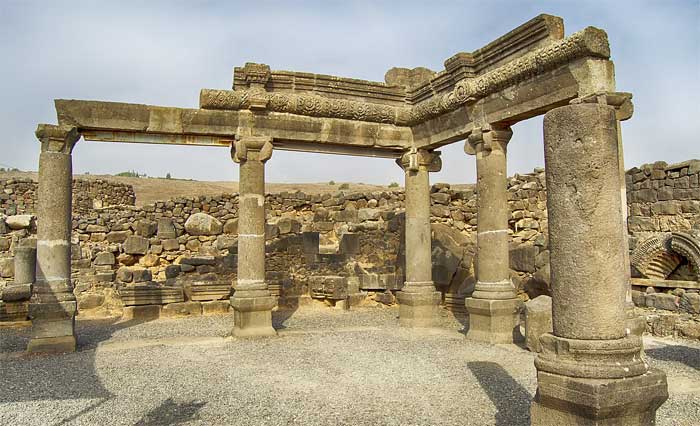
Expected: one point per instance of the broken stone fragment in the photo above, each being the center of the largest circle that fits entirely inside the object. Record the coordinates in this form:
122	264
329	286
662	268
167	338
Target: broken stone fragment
203	224
20	221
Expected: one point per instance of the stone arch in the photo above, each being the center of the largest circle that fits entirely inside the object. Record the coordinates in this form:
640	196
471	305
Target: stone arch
658	256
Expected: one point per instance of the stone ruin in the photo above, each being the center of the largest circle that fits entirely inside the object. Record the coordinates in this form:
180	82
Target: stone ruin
570	241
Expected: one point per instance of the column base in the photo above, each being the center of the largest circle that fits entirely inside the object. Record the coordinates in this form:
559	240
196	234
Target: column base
61	344
418	309
53	327
494	321
563	400
252	316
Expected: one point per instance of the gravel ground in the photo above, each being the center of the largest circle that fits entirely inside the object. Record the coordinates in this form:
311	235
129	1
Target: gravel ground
328	367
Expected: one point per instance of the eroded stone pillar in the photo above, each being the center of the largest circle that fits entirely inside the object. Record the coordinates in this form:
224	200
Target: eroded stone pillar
252	302
52	306
591	370
418	299
494	307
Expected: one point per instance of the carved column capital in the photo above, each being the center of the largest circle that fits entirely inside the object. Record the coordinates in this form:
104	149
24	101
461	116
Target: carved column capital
487	138
255	148
620	101
55	138
414	159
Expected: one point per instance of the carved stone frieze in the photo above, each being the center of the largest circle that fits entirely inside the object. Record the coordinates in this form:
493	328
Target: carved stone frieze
591	42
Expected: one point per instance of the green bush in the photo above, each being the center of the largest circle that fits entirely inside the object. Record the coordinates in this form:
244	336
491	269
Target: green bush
130	173
344	186
167	176
393	185
331	182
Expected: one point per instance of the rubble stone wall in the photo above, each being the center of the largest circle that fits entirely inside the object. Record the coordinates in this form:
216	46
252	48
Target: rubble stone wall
18	195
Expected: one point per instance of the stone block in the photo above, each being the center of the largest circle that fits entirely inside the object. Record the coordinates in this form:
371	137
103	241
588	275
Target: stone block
690	303
170	244
417	310
386	298
7	267
494	321
104	276
126	259
349	244
93	228
14	311
181	309
172	271
140	275
203	224
17	292
538	321
310	242
522	258
288	225
136	245
440	198
166	229
639	298
148	295
146	228
198	260
117	236
208	290
141	313
90	301
105	258
664	301
226	242
124	274
216	307
231	227
347	215
149	260
368	214
19	221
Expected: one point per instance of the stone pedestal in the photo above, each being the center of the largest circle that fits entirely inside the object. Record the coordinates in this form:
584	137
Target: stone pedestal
52	307
591	370
252	302
418	299
493	308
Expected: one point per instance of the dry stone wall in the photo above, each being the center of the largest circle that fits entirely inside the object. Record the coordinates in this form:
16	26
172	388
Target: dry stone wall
18	195
329	246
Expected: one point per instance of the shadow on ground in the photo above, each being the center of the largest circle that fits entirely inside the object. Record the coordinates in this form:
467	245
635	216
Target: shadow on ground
511	399
172	413
38	379
683	354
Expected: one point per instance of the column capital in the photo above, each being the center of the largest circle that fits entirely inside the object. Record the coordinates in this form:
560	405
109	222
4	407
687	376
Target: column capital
620	101
256	148
55	138
414	159
487	138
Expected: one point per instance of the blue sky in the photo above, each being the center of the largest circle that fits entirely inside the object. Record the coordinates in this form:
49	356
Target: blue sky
163	53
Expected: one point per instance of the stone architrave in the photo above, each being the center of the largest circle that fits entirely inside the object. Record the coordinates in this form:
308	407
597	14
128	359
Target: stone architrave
252	301
494	307
53	305
418	300
591	370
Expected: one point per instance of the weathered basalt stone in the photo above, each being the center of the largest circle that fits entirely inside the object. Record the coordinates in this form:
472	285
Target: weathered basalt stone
203	224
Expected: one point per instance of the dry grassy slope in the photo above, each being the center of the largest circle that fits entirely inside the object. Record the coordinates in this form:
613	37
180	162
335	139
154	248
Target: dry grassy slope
148	190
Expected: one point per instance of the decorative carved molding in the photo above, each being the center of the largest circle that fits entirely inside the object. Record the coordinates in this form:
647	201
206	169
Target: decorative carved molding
254	148
413	160
658	256
487	138
55	138
591	42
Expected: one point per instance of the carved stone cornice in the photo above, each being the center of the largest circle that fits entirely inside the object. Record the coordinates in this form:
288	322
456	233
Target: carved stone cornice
55	138
487	138
413	160
254	148
590	42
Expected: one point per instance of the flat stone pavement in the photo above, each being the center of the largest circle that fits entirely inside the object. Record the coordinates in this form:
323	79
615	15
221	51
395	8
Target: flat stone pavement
327	367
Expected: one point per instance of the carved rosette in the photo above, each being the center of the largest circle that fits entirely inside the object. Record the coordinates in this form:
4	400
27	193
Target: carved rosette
414	160
487	138
55	138
254	148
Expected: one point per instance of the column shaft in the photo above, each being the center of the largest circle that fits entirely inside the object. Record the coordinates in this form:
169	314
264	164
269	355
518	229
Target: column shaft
251	301
418	299
591	370
493	307
53	304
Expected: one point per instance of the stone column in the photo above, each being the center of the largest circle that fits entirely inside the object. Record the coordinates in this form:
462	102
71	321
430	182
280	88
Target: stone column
52	306
591	370
252	302
418	299
494	307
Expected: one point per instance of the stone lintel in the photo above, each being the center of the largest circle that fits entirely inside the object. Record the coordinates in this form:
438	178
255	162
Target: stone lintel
135	123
